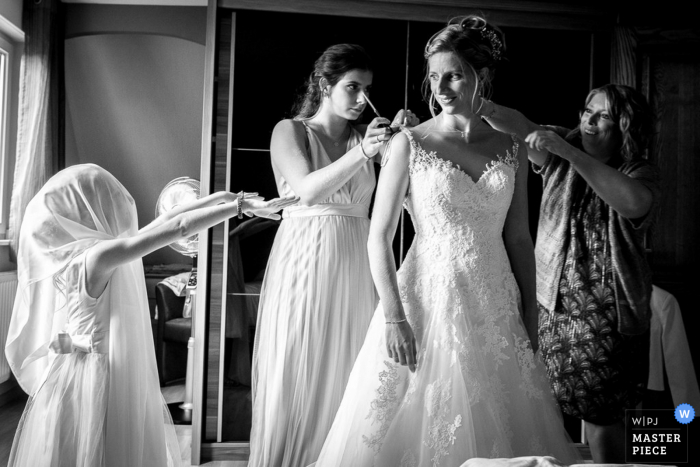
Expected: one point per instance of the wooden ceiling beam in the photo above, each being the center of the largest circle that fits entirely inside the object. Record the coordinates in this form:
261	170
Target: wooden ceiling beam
532	14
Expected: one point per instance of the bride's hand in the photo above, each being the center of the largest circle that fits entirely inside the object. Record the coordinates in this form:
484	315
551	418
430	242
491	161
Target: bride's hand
258	207
401	344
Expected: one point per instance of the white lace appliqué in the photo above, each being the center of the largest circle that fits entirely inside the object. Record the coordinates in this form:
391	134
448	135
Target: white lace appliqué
383	408
409	459
526	361
442	429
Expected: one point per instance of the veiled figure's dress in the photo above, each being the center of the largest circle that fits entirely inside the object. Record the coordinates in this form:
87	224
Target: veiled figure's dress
316	303
87	363
64	421
478	390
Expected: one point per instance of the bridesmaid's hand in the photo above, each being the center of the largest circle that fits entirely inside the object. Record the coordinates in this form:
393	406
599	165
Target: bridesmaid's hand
401	344
256	206
376	136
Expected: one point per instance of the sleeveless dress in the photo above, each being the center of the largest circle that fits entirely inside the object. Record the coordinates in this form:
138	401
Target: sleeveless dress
65	420
316	303
478	390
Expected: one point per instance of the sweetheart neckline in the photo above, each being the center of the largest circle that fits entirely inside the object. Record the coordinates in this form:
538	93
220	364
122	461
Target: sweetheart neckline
455	167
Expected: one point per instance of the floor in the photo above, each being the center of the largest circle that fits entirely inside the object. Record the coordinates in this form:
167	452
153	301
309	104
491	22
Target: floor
11	413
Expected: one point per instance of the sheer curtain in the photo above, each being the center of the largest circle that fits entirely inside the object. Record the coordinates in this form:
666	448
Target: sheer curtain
40	122
623	56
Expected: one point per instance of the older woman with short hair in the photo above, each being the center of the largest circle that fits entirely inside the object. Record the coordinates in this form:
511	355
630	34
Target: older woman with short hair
593	281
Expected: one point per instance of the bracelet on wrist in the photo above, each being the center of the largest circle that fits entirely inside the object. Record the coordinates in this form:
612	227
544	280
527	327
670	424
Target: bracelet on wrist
362	148
396	322
239	204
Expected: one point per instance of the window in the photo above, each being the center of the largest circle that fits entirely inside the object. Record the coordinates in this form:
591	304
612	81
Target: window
10	51
4	83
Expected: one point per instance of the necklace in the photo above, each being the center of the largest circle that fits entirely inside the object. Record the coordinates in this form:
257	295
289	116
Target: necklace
337	142
463	133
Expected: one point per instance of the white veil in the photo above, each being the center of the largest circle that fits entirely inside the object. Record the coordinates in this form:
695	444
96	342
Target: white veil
76	209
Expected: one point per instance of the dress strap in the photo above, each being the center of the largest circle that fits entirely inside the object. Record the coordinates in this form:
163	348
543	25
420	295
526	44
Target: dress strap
511	157
307	143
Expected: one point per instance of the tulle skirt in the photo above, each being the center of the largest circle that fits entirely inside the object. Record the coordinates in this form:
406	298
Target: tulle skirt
478	390
63	424
65	421
317	300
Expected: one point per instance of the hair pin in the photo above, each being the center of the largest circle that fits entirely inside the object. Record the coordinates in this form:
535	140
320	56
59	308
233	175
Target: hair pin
496	44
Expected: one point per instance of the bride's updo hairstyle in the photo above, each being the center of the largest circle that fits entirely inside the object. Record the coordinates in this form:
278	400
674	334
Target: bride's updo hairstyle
333	64
476	43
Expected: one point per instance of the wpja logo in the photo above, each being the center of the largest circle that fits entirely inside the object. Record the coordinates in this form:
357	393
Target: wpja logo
658	435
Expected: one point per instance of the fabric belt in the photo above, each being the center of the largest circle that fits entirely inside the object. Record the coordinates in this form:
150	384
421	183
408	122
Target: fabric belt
97	342
327	209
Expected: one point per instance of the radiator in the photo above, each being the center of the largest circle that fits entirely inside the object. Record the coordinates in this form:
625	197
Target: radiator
8	288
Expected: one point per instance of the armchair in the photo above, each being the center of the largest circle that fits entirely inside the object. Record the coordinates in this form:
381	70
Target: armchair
246	267
172	333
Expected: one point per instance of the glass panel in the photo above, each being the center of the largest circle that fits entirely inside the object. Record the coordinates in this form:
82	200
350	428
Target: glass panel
271	65
270	70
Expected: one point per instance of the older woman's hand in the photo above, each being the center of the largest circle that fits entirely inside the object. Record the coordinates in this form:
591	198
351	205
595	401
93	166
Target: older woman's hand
547	140
405	118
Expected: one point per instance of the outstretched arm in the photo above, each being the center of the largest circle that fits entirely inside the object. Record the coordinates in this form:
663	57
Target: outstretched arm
510	120
518	242
106	256
391	190
209	200
289	157
626	195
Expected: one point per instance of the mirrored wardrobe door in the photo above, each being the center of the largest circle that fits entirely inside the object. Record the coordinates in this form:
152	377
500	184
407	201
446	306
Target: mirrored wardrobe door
258	63
269	72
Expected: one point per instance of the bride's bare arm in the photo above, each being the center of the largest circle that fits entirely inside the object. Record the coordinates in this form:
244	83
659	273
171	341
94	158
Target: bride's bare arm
520	250
391	191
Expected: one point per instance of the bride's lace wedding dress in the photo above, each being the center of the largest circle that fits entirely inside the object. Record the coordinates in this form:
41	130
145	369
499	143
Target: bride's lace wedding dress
478	390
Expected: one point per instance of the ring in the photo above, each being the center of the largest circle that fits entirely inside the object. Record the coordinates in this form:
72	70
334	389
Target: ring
377	137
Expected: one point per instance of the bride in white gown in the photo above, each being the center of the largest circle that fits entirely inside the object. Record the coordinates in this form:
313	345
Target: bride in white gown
460	380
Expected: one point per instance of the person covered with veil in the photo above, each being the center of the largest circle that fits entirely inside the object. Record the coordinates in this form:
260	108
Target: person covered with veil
80	341
447	371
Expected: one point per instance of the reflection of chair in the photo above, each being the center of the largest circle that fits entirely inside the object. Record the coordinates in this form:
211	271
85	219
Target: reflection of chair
244	277
172	334
249	247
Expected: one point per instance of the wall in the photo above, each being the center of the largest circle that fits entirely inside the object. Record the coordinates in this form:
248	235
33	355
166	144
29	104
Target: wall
134	87
11	10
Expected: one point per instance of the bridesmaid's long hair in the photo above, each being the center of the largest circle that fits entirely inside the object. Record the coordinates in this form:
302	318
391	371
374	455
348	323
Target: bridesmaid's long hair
333	64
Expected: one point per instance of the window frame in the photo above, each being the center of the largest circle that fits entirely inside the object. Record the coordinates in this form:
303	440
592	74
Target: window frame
11	48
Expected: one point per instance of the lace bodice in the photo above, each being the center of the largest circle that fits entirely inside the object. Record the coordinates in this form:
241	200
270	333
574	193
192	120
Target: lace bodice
452	214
